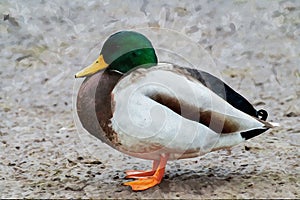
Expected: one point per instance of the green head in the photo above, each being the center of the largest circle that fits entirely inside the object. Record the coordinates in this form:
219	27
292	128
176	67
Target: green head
122	52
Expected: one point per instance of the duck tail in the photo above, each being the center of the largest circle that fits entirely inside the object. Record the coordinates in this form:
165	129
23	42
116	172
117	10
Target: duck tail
254	132
268	124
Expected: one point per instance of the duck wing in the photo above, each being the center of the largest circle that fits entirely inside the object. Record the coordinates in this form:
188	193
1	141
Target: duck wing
226	92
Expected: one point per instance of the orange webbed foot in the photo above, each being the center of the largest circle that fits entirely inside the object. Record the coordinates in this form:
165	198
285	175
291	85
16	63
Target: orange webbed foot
143	183
147	179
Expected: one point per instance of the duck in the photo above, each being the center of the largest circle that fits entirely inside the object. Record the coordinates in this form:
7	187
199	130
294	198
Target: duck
160	111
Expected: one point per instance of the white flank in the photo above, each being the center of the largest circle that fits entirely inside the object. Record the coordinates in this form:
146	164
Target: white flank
143	124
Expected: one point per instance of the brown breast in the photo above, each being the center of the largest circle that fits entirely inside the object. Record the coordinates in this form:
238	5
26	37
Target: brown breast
94	105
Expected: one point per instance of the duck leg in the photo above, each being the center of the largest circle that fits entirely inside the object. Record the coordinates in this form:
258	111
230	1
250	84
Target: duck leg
141	173
145	182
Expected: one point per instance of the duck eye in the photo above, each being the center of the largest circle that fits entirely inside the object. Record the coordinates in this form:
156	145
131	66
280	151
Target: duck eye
97	61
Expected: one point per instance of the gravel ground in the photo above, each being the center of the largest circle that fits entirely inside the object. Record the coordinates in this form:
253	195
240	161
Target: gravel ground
253	46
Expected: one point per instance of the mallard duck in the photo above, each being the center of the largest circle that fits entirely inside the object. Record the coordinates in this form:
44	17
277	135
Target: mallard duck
160	111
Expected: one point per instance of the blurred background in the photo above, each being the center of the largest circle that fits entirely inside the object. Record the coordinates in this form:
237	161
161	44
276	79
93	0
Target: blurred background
251	45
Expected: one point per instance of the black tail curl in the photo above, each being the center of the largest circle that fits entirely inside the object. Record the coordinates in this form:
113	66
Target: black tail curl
262	114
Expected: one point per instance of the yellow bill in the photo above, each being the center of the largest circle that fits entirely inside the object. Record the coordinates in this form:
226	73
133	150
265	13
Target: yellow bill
96	66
